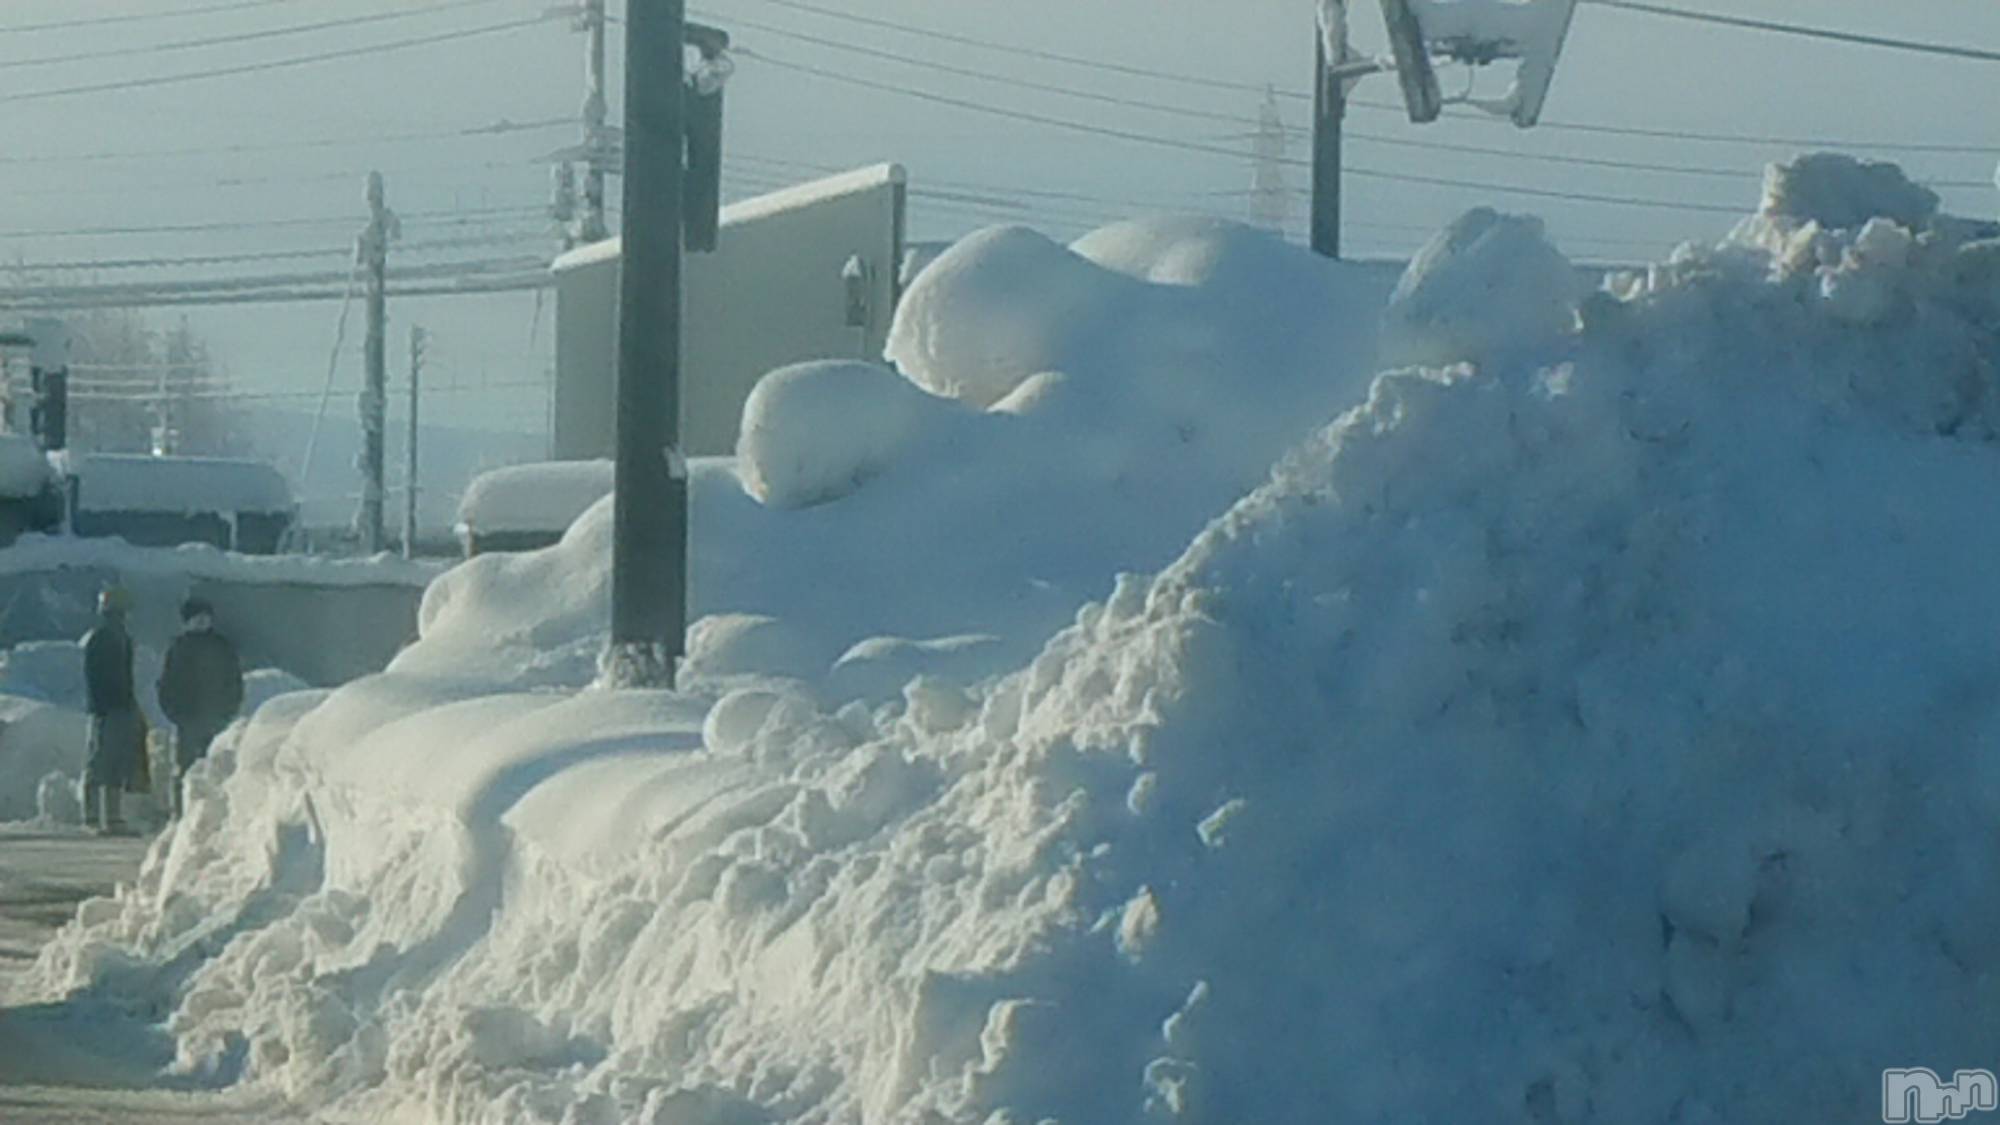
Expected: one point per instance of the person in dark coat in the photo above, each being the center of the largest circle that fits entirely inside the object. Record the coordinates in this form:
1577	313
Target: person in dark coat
201	688
117	730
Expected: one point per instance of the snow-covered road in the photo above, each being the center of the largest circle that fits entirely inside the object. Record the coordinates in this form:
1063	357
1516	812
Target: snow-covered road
80	1063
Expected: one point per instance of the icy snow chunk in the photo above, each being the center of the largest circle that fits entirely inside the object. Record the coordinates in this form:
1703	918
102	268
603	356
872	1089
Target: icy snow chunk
1840	192
815	432
935	705
57	801
1139	924
1488	285
1214	828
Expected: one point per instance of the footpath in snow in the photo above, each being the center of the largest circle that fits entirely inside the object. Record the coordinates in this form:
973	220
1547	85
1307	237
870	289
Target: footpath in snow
1190	684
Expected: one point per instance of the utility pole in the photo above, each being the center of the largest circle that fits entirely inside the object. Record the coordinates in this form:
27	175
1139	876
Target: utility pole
382	226
418	338
649	538
597	140
1329	114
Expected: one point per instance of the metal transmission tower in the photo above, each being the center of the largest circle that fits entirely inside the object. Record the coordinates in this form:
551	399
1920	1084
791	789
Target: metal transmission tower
1270	195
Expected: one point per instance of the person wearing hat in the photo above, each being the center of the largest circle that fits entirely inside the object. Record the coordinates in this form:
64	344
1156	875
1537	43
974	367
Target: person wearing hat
117	730
201	688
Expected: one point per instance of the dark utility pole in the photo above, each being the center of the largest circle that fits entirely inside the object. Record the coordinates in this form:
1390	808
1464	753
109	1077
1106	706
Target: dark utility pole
649	541
375	395
417	342
1329	114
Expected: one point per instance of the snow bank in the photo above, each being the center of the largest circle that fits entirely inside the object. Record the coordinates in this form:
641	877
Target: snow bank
866	505
1552	737
37	740
544	497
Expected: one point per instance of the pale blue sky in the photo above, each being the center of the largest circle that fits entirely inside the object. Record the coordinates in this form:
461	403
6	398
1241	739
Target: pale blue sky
1621	68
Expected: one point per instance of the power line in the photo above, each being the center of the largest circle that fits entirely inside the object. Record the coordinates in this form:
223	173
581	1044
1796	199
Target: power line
272	64
444	217
37	294
290	396
983	75
1193	146
242	36
135	17
1554	125
1375	138
497	128
1778	27
89	265
1025	52
466	287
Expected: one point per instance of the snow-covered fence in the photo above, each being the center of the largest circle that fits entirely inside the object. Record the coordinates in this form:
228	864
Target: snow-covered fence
324	621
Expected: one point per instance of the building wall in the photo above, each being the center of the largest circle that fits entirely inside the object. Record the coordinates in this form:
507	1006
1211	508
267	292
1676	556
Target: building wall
772	294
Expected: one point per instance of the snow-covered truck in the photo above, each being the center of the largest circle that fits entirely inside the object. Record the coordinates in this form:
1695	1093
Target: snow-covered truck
236	505
528	507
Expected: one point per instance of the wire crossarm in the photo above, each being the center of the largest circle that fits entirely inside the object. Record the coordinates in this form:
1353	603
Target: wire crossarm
1476	33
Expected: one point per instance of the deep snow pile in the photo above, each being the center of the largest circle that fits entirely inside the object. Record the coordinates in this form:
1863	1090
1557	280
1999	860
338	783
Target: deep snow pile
1603	730
1068	413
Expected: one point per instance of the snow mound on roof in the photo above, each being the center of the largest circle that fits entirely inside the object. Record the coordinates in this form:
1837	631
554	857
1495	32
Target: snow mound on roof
815	432
110	482
543	497
1540	740
24	468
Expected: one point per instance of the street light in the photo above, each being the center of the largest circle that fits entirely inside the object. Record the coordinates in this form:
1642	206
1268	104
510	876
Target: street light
1475	33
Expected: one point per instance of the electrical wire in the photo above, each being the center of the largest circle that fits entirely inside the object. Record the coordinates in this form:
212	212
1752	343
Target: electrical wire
332	367
136	17
241	36
1137	137
1981	146
88	265
442	217
498	128
1351	134
271	64
1802	30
